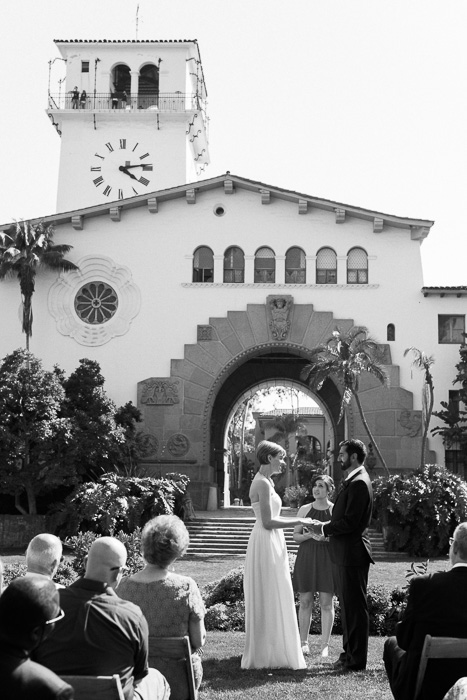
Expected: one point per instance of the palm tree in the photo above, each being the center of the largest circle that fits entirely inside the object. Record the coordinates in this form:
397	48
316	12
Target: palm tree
346	356
25	248
285	425
424	363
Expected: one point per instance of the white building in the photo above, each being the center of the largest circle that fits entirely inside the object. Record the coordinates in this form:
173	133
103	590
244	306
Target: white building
189	295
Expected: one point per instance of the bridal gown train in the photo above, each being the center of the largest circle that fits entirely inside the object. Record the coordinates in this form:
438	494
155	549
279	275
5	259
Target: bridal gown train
272	638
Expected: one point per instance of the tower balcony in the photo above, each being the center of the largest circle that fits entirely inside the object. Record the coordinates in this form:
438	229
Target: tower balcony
164	102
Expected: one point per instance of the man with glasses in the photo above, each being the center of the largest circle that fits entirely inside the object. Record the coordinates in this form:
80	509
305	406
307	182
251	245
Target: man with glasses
437	605
101	633
29	610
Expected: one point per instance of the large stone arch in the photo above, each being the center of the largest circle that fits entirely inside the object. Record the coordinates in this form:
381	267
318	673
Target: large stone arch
186	412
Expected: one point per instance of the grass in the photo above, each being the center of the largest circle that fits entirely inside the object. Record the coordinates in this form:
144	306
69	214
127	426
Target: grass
223	679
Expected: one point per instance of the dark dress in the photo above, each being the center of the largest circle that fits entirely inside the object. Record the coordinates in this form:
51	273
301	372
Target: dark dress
313	569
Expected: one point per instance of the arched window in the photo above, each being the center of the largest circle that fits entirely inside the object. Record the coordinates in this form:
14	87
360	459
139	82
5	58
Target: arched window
357	266
265	265
122	78
234	265
203	265
295	266
148	86
391	332
326	266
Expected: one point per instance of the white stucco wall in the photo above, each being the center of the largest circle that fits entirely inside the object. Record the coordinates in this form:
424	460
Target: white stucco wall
157	248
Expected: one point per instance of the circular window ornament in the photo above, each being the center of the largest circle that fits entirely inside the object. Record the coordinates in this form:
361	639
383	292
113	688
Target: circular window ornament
96	302
219	210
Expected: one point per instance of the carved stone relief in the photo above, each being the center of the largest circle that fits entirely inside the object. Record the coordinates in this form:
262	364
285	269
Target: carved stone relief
411	421
279	311
160	391
178	445
204	333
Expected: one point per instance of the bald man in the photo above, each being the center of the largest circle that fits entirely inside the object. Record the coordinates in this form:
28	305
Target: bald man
43	555
102	634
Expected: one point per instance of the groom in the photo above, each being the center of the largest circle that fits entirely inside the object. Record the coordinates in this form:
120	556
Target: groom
350	552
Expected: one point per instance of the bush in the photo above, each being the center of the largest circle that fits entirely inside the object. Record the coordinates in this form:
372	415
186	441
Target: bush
64	576
419	512
116	502
81	543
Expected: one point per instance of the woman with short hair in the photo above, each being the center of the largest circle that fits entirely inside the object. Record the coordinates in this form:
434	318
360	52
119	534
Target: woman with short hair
171	603
272	639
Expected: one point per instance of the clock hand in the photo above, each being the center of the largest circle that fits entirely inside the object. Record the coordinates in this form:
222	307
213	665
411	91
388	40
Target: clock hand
139	165
124	170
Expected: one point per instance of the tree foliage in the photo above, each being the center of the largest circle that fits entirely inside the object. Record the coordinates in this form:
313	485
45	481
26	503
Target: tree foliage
34	436
421	509
454	430
24	249
346	356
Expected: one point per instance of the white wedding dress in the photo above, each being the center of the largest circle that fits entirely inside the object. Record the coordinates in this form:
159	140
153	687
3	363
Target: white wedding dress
272	638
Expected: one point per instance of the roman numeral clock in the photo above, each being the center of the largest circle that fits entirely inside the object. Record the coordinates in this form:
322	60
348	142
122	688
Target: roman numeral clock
121	168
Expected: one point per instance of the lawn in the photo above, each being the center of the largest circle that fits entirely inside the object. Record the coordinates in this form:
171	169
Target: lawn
224	680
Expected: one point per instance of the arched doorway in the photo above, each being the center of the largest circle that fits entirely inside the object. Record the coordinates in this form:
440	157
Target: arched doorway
148	86
271	364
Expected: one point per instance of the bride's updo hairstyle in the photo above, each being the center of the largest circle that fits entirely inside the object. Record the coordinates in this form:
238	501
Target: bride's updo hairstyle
266	448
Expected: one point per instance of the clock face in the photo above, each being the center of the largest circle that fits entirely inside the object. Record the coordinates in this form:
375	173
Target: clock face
121	168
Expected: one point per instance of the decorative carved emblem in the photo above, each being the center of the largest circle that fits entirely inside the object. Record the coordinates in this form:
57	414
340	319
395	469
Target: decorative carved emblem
178	445
412	422
160	392
279	310
204	333
148	444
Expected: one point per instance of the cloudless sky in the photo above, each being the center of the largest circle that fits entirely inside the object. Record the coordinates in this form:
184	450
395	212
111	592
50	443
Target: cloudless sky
357	101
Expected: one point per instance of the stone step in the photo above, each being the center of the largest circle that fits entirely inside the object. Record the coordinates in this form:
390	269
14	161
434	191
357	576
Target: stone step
229	537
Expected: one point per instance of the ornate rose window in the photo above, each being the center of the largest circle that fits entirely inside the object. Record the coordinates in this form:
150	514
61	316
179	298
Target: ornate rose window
95	303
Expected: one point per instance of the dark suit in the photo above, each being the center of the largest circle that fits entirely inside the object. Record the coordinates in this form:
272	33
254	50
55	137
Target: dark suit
437	605
23	679
350	552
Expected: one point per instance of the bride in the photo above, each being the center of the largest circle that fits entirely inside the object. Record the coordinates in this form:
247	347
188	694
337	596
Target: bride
272	638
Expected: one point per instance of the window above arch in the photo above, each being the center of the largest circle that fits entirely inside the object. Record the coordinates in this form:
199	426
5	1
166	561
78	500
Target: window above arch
265	266
326	266
295	266
203	265
234	265
357	266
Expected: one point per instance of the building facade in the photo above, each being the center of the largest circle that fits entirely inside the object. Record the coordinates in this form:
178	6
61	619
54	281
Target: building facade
191	293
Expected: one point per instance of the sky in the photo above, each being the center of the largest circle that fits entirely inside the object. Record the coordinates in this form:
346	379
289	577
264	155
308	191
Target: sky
362	102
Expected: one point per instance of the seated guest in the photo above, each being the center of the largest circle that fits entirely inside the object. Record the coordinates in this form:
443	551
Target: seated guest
29	609
171	603
43	556
437	605
102	634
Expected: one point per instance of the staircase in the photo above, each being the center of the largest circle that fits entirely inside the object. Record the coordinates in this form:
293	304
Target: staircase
229	537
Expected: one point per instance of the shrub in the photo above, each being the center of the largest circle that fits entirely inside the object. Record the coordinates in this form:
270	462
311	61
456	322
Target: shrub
421	510
81	543
64	576
116	502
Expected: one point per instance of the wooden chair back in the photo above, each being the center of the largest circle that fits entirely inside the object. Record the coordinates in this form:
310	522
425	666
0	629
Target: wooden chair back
176	648
439	648
96	687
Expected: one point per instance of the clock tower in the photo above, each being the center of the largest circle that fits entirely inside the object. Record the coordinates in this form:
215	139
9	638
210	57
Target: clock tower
131	117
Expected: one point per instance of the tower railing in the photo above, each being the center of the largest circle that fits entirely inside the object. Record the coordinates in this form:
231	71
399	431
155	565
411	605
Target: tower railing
108	101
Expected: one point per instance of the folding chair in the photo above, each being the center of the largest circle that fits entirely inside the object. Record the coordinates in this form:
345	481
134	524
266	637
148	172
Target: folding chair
175	648
439	648
96	687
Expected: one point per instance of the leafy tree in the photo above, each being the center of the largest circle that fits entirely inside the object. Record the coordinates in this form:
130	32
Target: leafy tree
424	363
454	432
136	444
285	425
346	356
34	438
25	248
97	437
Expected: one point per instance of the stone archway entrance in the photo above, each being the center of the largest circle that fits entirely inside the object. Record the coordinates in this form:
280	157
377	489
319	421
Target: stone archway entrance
266	364
186	413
